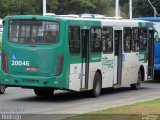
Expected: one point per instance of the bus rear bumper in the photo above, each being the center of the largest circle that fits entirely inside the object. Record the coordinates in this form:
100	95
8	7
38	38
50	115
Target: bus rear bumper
31	81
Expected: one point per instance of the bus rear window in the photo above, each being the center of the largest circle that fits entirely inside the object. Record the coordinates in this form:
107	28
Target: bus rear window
33	32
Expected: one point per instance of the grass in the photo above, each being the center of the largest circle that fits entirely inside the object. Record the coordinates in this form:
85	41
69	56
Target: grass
149	110
149	107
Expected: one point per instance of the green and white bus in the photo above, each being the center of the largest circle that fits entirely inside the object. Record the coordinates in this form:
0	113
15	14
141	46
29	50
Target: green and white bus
46	53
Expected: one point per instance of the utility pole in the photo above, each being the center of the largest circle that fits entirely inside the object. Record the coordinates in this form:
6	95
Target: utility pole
44	7
117	9
130	9
155	11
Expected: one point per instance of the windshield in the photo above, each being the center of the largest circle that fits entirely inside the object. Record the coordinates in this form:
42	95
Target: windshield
37	32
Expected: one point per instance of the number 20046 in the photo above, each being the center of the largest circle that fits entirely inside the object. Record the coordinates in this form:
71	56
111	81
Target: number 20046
20	63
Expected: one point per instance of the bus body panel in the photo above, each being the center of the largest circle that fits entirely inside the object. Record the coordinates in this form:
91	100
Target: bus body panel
43	62
75	77
107	70
130	67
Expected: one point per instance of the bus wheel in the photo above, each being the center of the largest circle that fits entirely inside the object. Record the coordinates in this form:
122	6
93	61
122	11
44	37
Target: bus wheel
44	92
97	86
2	89
137	85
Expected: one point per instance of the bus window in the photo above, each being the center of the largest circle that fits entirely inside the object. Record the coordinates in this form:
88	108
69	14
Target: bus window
107	37
74	39
37	32
127	39
96	42
143	39
135	40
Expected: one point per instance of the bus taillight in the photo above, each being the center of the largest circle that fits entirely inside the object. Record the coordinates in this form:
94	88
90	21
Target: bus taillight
4	62
60	64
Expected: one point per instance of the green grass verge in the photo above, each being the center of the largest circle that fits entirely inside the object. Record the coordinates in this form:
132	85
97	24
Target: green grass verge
149	110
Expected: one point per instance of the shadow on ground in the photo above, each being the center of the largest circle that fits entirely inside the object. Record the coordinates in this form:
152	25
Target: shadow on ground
69	96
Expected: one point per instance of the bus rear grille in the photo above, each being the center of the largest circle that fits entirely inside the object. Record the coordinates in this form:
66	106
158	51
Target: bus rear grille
31	81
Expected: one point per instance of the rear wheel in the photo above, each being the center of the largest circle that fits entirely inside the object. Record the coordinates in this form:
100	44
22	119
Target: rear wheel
2	89
97	86
137	85
44	92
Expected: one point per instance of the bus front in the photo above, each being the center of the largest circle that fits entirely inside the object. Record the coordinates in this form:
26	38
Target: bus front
32	55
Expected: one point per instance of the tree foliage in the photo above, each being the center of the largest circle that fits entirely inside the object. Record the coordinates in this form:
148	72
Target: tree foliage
12	7
25	7
141	8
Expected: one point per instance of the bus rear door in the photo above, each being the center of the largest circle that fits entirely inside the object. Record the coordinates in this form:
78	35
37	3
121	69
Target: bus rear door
85	58
118	57
79	63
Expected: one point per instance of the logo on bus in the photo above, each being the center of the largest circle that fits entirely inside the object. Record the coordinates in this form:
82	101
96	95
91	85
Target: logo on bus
16	62
13	57
141	57
107	62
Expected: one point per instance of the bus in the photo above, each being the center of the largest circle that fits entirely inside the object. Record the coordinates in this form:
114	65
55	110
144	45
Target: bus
156	24
46	53
2	88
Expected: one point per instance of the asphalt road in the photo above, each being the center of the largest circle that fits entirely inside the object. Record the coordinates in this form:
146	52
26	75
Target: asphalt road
18	100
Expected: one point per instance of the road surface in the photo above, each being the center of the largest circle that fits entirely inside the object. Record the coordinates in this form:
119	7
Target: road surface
24	101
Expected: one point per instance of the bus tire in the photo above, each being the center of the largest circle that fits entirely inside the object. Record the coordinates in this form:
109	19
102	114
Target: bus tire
137	85
44	92
2	89
97	85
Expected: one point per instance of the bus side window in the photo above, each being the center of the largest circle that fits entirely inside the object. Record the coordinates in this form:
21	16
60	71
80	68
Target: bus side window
107	39
127	39
74	39
143	39
135	40
13	30
96	42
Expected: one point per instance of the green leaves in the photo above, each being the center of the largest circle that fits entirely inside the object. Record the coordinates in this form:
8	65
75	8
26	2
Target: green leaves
25	7
105	7
142	8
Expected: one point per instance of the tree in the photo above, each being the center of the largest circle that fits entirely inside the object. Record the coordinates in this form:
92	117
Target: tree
25	7
74	6
52	5
105	7
142	8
